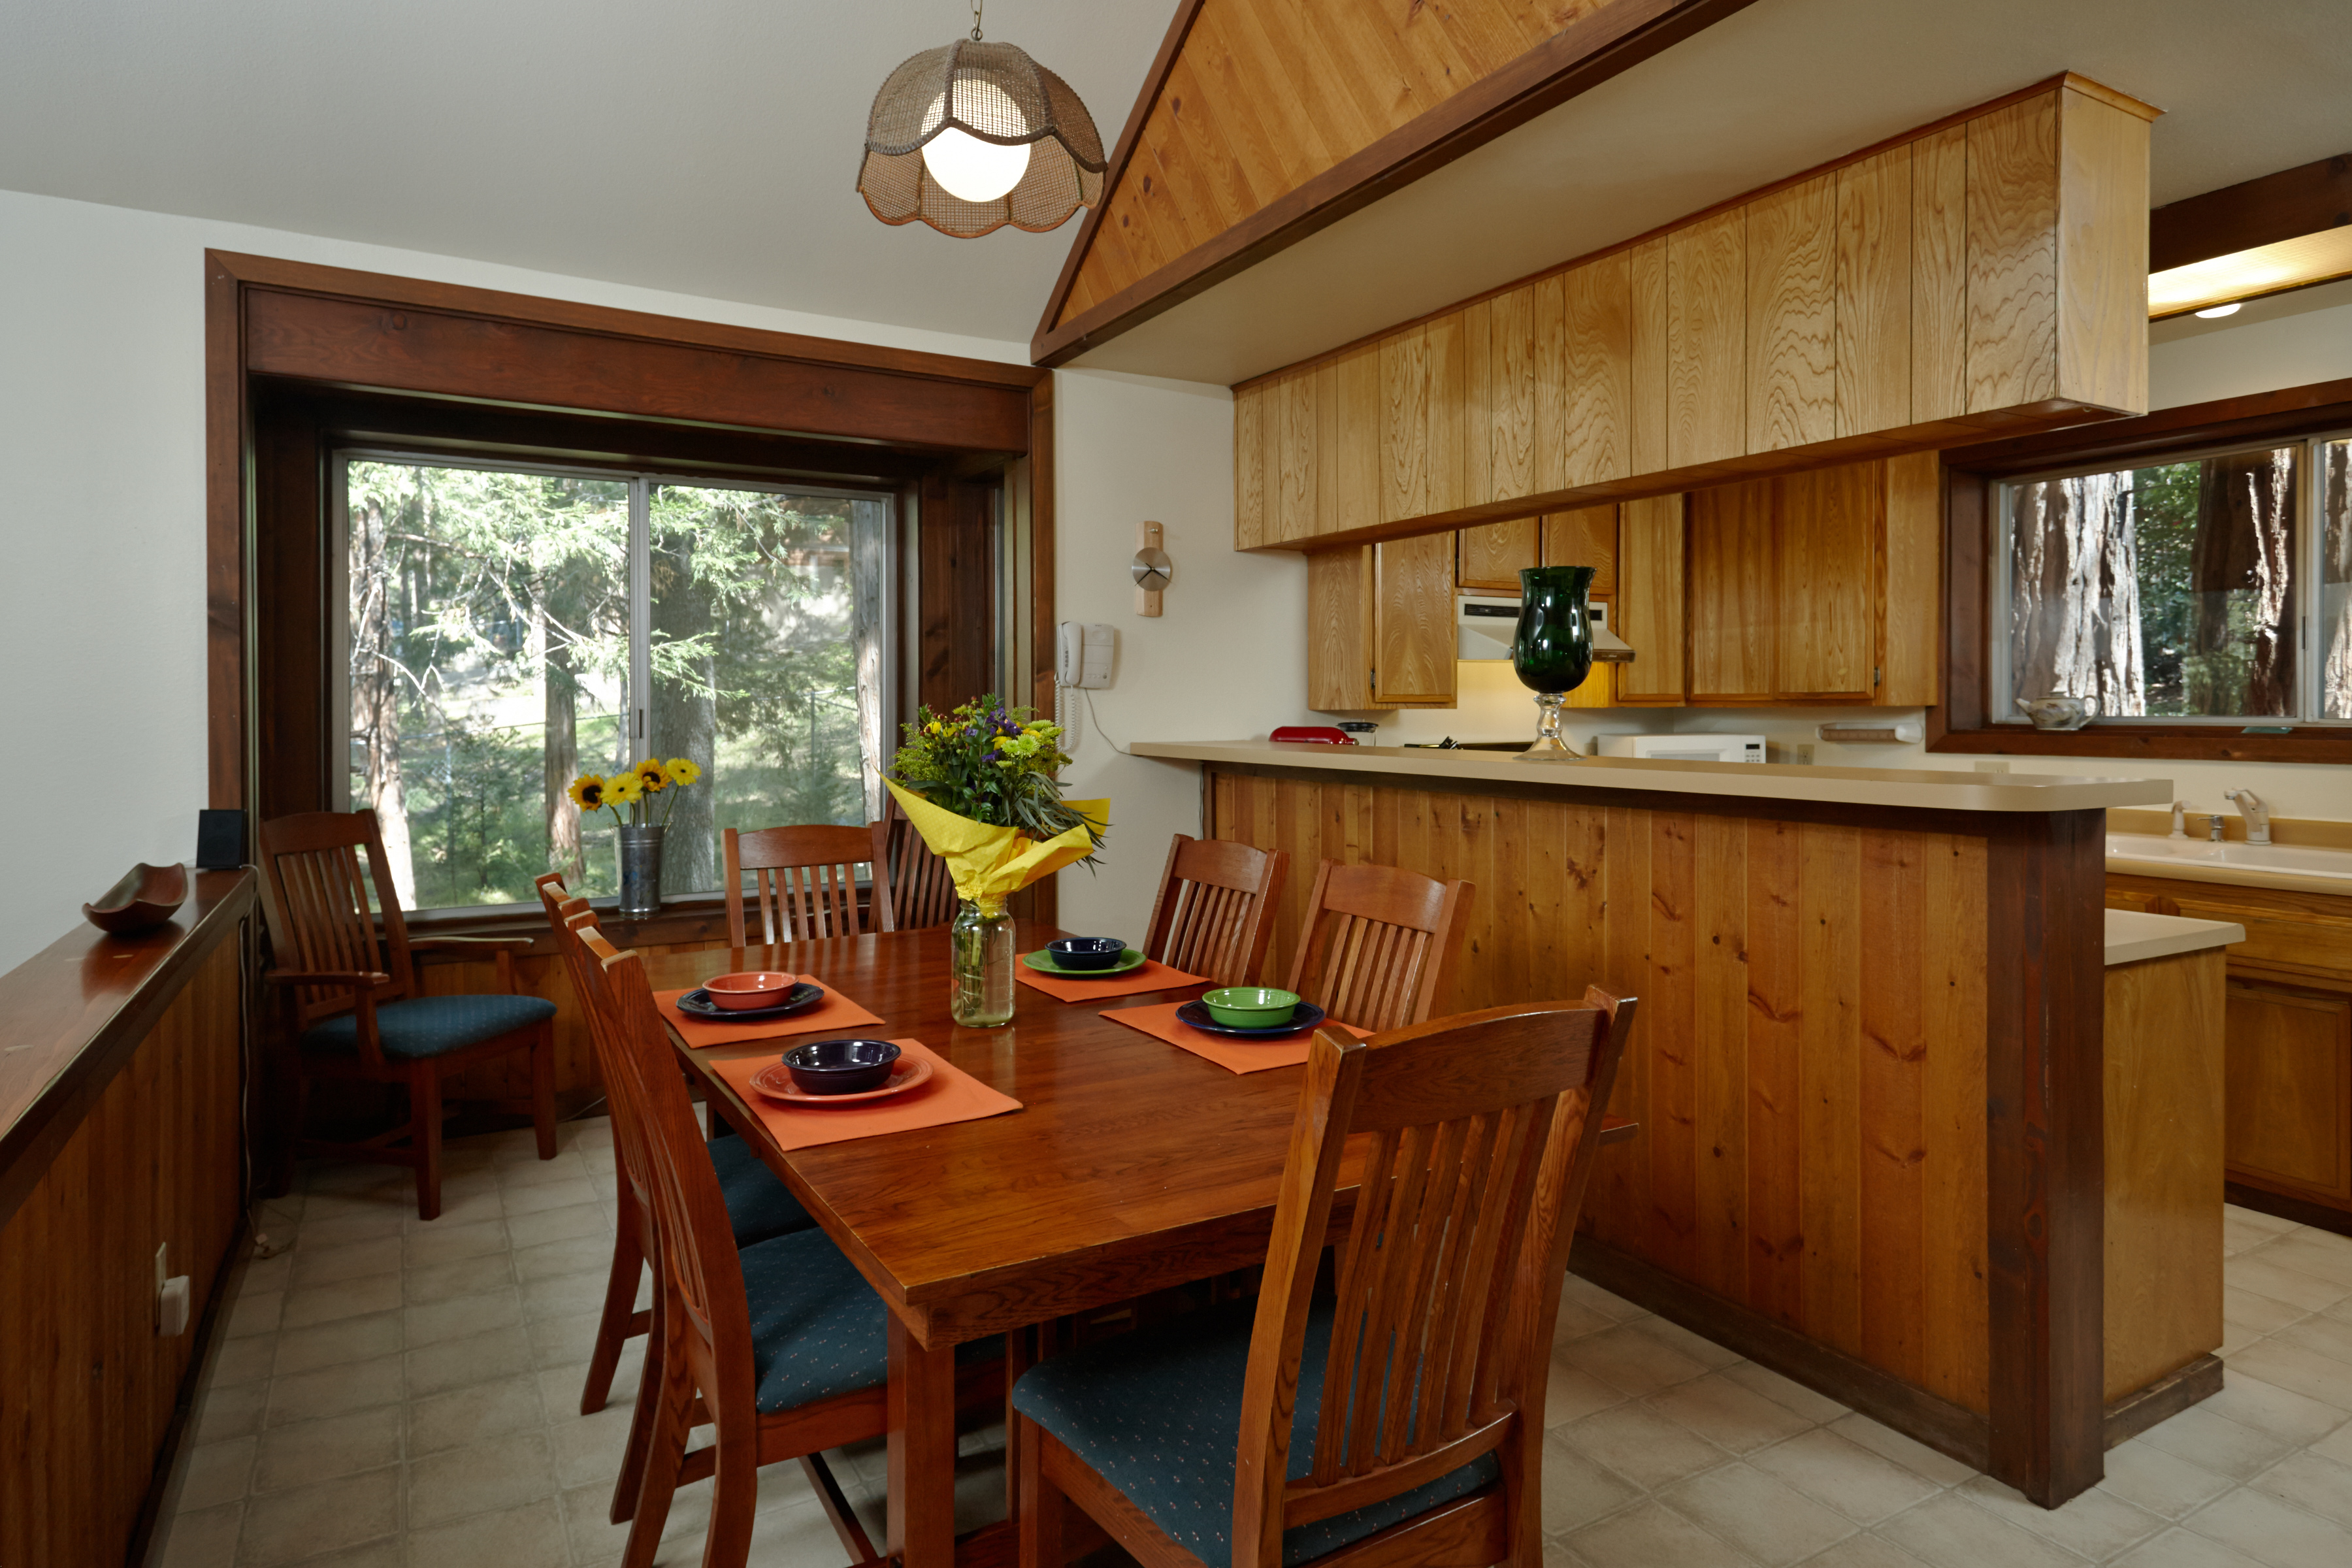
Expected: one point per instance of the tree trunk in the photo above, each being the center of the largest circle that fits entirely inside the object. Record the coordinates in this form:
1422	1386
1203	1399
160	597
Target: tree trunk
683	721
2074	575
563	756
2335	580
375	695
2245	543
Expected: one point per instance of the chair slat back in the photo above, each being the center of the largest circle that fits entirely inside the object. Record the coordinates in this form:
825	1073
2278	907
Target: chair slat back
922	890
1378	946
1215	910
572	919
696	1244
317	868
805	880
1450	1270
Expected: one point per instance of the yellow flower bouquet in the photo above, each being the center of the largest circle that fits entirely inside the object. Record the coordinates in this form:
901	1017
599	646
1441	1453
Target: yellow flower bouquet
978	783
639	835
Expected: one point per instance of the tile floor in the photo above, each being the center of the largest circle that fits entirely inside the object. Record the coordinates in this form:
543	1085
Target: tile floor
393	1393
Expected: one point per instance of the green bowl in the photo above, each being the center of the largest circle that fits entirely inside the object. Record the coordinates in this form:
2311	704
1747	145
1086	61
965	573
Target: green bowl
1250	1006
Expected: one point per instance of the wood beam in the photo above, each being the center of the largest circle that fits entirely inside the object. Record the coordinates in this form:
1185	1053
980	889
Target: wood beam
2283	206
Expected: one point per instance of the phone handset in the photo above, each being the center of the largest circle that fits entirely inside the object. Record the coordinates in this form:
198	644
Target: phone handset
1082	662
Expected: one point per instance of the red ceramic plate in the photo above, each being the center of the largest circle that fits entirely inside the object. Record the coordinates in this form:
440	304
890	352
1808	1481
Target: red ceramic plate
775	1081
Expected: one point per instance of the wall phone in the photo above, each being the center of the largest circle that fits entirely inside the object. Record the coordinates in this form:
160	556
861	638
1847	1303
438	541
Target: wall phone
1082	662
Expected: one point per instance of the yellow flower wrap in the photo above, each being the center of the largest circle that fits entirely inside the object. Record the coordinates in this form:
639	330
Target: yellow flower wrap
991	864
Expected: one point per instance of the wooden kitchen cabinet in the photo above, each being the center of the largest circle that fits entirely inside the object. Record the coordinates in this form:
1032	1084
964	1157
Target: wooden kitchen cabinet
2288	1041
1379	626
1650	603
1489	558
1815	587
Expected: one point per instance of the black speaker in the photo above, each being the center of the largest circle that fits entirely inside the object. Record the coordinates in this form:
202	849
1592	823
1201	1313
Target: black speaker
220	840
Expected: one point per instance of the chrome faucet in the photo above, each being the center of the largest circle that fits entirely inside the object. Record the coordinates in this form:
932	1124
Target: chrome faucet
2257	815
2216	828
2179	819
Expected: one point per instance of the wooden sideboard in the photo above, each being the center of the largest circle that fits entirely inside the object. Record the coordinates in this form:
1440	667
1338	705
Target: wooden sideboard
2289	1033
121	1122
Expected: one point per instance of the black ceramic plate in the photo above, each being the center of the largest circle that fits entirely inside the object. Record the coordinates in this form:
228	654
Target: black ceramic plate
697	1004
1305	1017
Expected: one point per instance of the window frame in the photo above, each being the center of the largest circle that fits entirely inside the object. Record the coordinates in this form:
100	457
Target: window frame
2309	568
641	480
1973	477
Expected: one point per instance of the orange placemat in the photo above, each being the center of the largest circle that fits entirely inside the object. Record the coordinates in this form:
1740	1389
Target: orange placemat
1235	1056
1153	976
953	1095
836	1014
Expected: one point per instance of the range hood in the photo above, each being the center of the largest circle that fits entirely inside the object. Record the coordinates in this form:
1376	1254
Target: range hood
1485	623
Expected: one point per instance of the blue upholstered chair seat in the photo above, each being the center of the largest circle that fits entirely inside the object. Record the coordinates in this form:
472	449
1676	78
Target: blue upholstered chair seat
760	1207
817	1327
430	1025
1159	1416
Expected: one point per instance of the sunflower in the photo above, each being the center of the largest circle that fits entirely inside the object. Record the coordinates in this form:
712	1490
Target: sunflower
684	771
652	775
623	789
587	792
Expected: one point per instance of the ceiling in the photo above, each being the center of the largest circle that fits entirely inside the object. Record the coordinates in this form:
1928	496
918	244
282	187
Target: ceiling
709	147
2249	86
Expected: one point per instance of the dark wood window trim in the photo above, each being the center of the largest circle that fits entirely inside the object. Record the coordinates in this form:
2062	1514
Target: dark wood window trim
540	370
1970	474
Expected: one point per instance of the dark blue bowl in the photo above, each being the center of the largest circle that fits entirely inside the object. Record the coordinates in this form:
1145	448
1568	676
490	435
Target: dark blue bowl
841	1066
1088	952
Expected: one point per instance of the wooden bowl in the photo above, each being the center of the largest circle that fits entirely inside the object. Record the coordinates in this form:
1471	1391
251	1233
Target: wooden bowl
145	898
750	990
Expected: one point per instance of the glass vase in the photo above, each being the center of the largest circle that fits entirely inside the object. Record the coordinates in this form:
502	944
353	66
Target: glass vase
1551	650
980	988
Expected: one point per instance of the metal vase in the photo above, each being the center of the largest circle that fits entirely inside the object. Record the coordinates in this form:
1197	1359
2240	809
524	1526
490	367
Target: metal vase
641	850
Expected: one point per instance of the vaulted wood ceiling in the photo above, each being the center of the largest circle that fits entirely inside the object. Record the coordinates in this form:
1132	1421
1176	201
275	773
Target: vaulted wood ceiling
1263	120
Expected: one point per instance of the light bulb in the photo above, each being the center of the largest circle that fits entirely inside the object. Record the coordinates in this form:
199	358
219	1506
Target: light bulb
968	168
2215	312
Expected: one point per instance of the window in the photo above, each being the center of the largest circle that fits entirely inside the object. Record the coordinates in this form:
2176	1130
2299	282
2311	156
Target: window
2213	587
511	627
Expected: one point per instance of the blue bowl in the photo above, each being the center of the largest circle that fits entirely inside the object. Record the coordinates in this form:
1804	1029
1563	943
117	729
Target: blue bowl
1088	952
841	1066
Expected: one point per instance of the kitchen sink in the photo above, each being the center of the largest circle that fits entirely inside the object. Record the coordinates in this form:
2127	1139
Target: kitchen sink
2206	861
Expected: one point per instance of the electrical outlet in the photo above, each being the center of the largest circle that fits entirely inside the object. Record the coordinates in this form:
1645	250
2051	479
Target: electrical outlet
1805	753
1993	767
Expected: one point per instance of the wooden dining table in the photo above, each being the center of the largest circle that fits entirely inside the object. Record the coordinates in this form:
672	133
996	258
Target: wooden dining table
1132	1165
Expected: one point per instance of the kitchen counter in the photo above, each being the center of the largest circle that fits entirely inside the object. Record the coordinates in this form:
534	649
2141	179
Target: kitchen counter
2134	937
1874	1146
1925	789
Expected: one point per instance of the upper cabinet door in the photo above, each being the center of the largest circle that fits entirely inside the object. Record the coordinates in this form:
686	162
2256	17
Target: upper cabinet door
1491	557
1412	622
1649	603
1734	590
1830	526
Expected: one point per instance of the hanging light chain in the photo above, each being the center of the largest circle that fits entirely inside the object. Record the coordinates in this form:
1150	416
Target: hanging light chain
975	20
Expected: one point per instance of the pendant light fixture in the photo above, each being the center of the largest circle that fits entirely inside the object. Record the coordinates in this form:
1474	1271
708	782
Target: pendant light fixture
977	135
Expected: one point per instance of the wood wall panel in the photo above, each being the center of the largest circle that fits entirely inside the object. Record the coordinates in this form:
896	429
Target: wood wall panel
1905	299
1791	316
1874	293
1812	1125
1706	340
88	1389
2012	255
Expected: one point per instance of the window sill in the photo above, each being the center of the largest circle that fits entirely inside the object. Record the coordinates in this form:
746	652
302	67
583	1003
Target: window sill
2174	742
695	921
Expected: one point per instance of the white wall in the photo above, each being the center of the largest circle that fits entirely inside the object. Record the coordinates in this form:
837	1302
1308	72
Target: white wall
1225	657
102	600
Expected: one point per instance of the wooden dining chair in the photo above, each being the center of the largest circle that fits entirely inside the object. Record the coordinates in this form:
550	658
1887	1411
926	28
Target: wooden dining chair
1378	944
759	1205
1400	1421
922	889
1215	913
805	880
782	1345
358	1012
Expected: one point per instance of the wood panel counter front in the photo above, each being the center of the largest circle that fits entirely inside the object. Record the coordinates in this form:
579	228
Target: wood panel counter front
1868	1073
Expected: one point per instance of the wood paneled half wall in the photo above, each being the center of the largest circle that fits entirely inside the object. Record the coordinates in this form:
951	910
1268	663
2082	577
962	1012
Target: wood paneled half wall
1986	273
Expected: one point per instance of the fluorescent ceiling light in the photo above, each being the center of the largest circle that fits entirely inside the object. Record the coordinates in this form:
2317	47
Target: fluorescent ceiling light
2248	274
2215	312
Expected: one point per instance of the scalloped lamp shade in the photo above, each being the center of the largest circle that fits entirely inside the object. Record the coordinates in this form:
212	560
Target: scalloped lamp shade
977	135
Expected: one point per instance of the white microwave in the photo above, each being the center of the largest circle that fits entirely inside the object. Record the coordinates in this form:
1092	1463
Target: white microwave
1685	747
